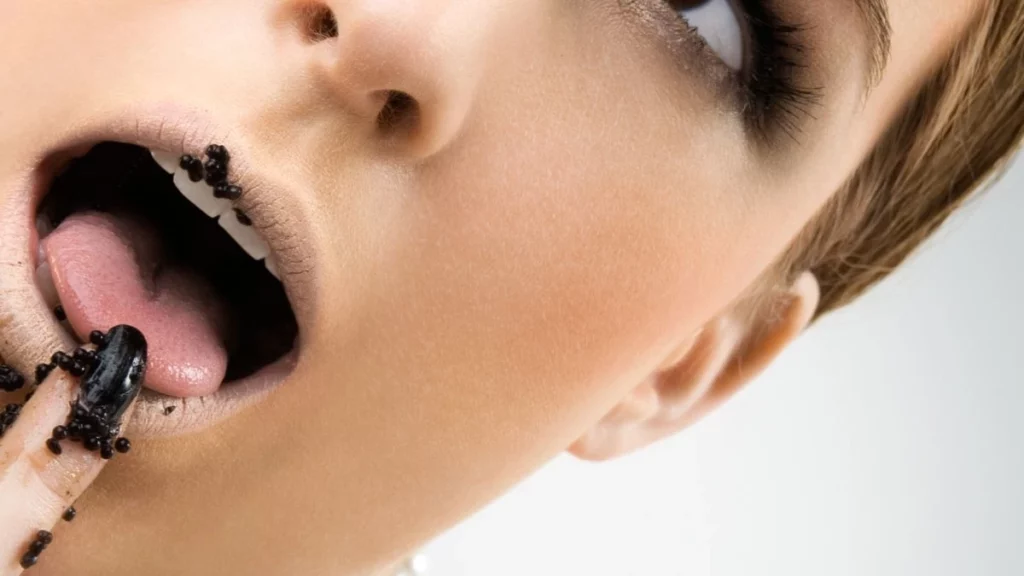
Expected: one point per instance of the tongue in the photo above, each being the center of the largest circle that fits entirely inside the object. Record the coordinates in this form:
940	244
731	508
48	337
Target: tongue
107	271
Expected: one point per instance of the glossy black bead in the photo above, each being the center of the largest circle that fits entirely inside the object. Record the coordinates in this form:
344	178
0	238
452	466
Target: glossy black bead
106	451
60	313
242	218
60	432
69	514
227	191
78	369
218	152
123	445
86	357
168	410
10	379
36	548
62	360
12	408
29	560
91	443
98	338
54	446
216	172
44	536
42	371
193	166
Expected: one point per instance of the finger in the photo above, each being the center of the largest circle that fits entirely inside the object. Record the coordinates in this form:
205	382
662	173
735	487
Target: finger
36	485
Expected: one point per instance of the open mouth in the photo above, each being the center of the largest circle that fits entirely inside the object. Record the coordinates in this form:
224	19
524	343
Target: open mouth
130	236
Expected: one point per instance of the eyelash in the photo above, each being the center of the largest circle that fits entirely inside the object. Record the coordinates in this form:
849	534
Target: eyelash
770	92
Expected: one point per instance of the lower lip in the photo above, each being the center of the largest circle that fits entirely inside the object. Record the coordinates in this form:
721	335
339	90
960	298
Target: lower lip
160	416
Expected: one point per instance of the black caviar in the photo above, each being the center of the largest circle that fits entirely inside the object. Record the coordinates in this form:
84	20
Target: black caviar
8	417
214	171
228	191
43	371
43	539
218	153
10	379
194	167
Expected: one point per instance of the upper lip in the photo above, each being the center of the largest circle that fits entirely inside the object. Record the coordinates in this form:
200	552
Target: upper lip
27	328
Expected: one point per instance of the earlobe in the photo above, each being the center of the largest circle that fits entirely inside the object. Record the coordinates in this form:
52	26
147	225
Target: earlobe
700	375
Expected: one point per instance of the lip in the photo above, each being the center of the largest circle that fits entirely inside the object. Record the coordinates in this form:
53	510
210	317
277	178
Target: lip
29	333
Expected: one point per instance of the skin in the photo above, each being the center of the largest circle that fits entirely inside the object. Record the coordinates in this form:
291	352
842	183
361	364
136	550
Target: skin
546	262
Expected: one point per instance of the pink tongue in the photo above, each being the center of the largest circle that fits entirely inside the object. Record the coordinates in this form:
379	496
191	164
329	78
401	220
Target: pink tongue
106	272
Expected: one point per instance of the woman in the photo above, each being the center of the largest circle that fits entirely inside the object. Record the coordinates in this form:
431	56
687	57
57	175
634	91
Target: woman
503	230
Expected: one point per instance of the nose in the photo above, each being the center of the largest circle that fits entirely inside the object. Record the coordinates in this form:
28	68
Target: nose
407	69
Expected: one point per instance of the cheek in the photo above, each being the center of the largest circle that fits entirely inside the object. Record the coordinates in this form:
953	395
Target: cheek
573	260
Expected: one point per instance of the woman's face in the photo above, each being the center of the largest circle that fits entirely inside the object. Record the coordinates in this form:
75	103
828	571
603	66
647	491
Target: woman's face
576	189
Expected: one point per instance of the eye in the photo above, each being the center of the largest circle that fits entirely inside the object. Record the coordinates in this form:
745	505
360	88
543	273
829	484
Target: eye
718	24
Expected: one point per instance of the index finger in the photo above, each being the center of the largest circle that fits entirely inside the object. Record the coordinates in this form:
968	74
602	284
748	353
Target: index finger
39	477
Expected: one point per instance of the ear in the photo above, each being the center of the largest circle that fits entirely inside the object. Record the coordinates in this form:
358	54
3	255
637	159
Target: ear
700	375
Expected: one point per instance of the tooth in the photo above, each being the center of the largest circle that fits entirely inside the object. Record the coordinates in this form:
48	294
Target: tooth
245	236
43	226
201	195
166	160
271	264
44	281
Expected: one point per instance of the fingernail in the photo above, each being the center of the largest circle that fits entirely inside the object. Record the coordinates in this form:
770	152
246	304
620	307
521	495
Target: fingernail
116	378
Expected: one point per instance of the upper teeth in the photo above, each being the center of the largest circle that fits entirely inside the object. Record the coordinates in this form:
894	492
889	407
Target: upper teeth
201	194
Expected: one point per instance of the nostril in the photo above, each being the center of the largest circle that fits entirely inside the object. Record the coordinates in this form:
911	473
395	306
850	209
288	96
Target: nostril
400	112
318	23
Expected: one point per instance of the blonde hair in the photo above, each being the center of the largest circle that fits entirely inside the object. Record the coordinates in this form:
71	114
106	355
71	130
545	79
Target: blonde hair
956	135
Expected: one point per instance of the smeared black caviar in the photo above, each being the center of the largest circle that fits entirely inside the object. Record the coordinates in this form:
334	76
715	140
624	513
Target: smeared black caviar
112	378
10	379
42	540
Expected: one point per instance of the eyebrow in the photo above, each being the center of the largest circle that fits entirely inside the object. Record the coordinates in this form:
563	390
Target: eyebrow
875	14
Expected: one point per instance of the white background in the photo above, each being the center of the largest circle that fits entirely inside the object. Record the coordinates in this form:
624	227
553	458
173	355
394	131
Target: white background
889	440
